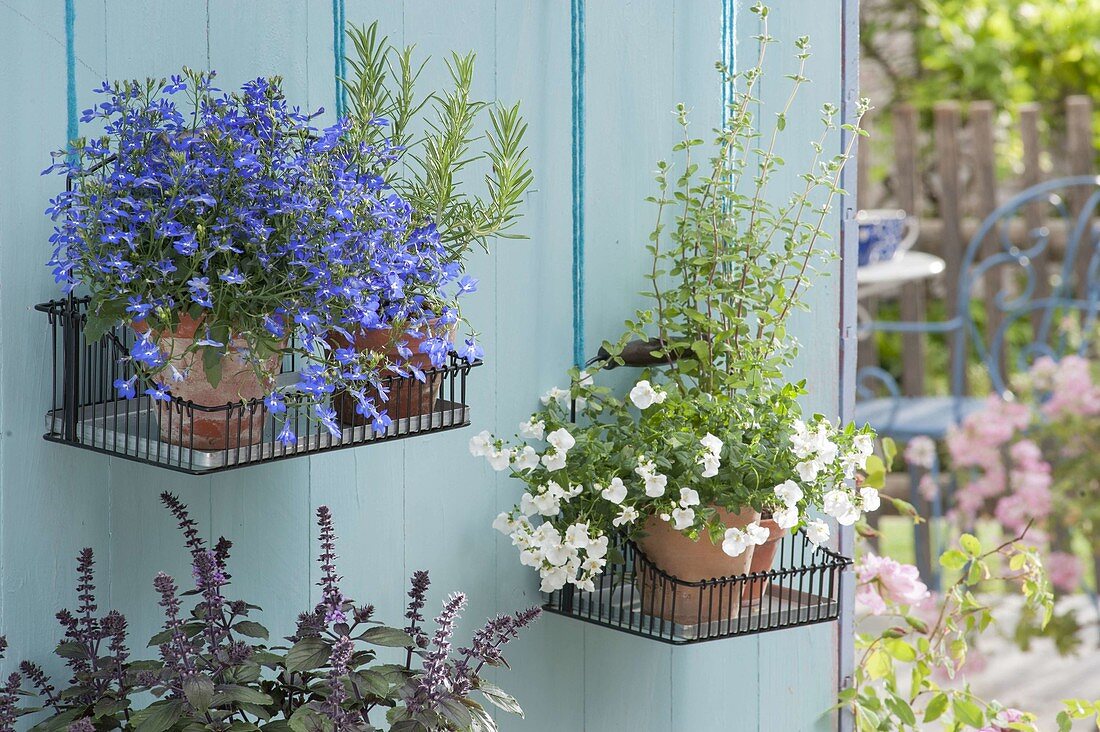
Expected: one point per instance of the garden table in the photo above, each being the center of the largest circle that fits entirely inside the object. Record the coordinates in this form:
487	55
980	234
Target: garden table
905	267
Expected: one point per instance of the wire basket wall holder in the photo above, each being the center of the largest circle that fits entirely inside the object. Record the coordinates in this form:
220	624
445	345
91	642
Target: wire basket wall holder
635	596
86	411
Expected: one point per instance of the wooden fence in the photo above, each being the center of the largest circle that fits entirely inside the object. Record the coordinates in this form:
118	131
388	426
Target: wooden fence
949	178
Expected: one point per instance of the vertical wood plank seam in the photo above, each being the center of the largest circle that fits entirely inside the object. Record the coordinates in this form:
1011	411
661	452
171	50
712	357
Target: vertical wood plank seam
576	46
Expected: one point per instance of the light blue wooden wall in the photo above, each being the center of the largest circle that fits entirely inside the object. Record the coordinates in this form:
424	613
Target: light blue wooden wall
422	503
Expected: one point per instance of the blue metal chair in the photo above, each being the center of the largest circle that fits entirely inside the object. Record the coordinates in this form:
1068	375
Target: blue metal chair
1012	273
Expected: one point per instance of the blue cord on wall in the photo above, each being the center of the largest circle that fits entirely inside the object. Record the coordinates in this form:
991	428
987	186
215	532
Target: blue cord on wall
338	55
729	54
70	68
577	27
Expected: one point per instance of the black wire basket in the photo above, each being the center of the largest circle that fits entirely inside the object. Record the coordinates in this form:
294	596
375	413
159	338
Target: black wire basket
635	596
87	412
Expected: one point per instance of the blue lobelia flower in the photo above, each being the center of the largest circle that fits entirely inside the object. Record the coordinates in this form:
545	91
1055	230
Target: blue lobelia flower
125	387
275	403
286	436
159	392
470	351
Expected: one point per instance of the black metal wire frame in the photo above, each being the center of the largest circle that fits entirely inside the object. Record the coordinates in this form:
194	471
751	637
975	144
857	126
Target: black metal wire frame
635	596
86	411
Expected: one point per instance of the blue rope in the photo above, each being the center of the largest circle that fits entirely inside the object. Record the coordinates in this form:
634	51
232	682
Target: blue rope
577	28
70	68
338	55
729	54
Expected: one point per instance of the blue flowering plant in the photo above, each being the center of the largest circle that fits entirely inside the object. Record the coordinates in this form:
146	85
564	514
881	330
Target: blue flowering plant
215	669
230	218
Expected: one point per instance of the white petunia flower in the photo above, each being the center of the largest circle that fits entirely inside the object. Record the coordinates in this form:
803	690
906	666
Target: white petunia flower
869	498
736	542
645	467
643	395
710	463
615	491
786	518
527	505
807	470
597	548
712	444
499	459
689	497
585	379
561	396
553	460
530	558
504	523
864	444
628	515
561	440
586	584
554	579
481	443
547	504
756	533
592	565
525	459
532	429
577	535
788	492
683	518
655	485
838	504
817	531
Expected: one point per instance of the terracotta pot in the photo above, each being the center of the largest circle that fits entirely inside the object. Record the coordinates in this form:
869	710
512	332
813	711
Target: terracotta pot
691	561
408	397
210	430
763	557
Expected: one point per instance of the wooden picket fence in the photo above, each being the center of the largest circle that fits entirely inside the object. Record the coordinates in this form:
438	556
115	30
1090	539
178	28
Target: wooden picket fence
948	178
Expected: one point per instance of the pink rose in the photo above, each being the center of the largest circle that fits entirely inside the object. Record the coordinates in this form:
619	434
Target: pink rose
884	581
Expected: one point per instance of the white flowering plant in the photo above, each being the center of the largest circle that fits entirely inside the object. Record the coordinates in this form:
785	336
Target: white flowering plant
657	453
713	423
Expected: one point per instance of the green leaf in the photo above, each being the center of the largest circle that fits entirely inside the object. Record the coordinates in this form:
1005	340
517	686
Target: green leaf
243	694
307	654
71	649
499	698
199	691
890	450
1065	724
212	365
158	716
953	559
970	544
58	721
902	710
381	635
251	629
1017	562
968	712
306	719
936	707
108	706
279	725
900	650
878	664
482	722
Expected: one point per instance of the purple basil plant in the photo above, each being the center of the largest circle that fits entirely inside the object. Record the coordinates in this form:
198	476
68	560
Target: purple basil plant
214	669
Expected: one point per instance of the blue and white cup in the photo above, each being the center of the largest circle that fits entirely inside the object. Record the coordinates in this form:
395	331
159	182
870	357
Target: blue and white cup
883	233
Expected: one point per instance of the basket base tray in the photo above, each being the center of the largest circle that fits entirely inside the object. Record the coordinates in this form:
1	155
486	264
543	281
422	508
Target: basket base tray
111	427
621	608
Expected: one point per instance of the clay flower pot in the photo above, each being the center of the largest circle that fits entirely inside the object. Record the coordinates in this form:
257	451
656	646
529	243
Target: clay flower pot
763	557
201	429
408	397
691	561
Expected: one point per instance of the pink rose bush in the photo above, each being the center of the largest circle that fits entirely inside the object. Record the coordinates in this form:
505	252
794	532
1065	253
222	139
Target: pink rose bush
1029	459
